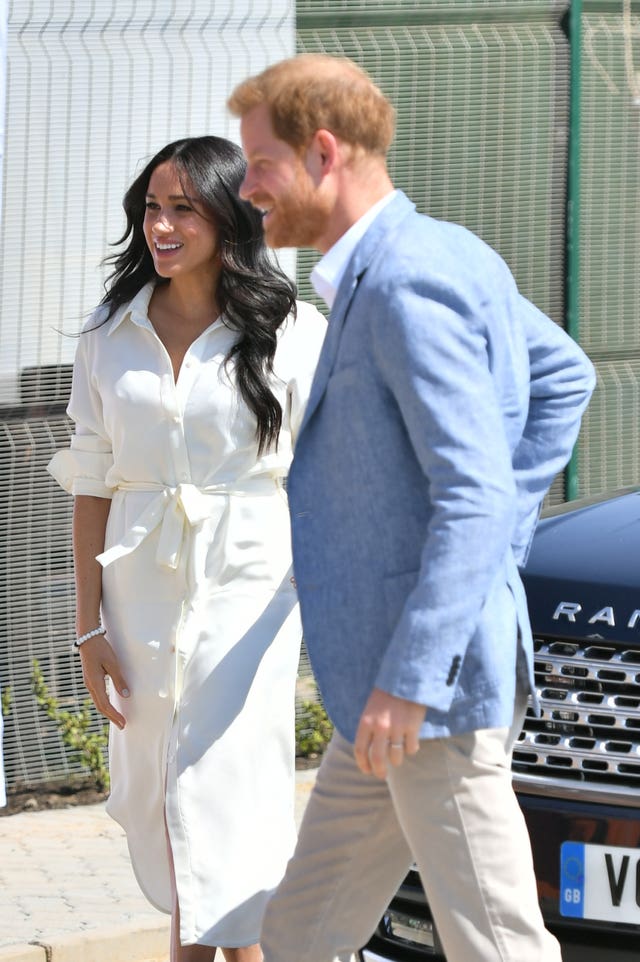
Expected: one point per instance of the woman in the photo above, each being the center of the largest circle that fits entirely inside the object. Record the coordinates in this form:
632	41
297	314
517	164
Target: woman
190	382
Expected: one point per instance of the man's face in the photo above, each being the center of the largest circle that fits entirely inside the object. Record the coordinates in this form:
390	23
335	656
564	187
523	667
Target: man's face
279	183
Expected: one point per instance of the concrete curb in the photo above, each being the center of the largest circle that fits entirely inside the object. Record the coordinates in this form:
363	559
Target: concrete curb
22	953
134	943
69	869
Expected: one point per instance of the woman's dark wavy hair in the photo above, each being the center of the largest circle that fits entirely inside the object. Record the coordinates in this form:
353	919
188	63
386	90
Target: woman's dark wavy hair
253	294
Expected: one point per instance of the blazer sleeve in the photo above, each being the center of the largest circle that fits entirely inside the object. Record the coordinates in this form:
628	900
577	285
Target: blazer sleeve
562	381
431	351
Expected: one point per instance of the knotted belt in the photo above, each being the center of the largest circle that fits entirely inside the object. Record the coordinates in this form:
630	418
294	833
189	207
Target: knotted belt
174	508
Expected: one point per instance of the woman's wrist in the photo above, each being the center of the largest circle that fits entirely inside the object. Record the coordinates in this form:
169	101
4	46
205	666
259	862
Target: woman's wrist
87	618
92	633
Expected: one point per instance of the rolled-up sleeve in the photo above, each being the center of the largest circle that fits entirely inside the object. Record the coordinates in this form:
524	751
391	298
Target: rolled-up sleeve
83	467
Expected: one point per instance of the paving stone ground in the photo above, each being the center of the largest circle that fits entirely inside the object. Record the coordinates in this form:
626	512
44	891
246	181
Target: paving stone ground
68	893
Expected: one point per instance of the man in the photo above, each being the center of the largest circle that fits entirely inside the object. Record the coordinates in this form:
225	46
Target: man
443	405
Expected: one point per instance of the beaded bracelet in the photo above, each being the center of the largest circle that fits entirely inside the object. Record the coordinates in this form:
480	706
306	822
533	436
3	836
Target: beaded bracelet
90	634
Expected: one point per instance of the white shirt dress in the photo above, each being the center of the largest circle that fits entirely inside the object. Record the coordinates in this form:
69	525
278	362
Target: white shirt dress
200	606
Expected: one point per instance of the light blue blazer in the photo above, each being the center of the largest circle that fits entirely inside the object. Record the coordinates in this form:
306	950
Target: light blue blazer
443	405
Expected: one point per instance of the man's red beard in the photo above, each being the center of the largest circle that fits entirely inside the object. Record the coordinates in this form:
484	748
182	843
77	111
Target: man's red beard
299	218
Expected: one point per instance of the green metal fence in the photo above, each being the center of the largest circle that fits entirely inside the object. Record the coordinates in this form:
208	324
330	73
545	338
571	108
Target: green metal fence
609	297
482	94
483	91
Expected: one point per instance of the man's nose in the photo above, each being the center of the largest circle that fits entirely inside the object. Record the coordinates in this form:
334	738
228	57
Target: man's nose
246	187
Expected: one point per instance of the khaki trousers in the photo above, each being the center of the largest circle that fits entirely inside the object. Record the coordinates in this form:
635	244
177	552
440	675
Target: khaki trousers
452	809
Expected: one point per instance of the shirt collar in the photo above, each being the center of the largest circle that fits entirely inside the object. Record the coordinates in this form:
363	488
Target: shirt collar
137	309
329	270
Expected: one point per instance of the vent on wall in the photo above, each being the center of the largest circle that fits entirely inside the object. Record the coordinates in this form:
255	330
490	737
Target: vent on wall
36	597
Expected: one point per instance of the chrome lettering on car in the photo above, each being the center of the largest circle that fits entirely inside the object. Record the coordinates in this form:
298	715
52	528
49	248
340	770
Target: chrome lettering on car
571	609
568	609
606	615
633	620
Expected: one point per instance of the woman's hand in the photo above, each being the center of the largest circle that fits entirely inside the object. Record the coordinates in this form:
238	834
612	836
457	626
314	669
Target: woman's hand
98	661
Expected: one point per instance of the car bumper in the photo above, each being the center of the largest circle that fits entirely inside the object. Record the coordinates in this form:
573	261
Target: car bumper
613	832
406	932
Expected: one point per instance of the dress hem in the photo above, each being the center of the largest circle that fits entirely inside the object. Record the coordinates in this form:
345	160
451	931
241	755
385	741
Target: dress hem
156	905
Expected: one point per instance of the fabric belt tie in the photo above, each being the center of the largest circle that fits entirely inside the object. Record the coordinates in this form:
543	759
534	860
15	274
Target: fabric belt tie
174	509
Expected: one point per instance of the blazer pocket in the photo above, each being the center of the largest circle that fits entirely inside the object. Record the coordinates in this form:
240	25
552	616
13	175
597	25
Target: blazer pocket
397	589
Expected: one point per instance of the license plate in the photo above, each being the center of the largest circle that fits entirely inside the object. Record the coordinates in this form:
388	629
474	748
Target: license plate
600	882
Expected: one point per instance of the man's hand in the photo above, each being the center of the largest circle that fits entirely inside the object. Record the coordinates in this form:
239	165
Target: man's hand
388	730
98	661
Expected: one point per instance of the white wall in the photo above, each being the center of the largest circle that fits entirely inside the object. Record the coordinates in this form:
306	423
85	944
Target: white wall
93	91
3	51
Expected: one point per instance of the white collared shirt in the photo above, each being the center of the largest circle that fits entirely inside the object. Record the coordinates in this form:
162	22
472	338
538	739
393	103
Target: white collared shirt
191	429
197	588
328	272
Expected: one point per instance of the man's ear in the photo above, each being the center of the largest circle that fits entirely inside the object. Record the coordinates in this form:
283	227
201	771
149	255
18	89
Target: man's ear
322	153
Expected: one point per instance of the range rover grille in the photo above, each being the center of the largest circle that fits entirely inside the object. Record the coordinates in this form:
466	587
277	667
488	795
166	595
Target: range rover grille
590	726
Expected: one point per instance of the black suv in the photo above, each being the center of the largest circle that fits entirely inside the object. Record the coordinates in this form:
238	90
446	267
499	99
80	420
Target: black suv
576	769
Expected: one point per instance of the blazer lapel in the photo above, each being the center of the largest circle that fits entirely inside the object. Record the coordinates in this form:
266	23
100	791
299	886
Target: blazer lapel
368	246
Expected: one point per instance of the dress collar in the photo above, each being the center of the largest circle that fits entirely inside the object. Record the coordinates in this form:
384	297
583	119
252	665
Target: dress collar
137	309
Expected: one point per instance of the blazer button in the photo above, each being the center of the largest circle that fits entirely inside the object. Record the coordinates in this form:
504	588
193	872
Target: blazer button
453	671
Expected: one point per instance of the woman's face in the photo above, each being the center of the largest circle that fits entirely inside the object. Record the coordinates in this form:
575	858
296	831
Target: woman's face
182	240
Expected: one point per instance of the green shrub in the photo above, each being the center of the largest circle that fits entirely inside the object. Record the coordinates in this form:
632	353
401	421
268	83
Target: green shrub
86	746
313	729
